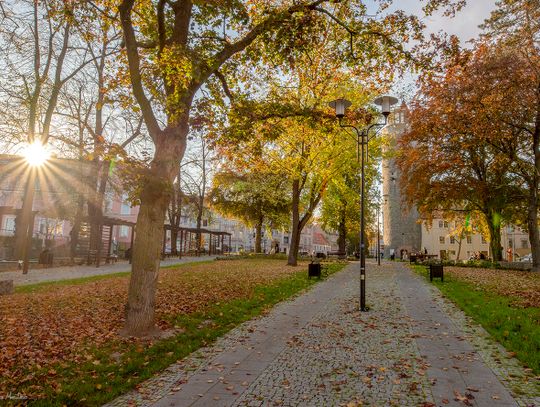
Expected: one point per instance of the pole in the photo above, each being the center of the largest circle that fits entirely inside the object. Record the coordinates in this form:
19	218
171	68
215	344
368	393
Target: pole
378	238
362	243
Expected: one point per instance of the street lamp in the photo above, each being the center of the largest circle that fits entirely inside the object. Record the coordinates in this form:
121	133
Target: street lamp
35	154
340	105
378	235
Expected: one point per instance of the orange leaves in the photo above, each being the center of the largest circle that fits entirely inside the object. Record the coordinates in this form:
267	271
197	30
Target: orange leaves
522	286
60	325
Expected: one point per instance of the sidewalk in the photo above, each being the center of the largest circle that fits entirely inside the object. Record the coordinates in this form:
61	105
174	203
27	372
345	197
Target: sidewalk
71	272
318	350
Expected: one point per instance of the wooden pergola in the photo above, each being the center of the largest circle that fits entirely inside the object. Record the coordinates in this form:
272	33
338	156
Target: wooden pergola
187	236
107	225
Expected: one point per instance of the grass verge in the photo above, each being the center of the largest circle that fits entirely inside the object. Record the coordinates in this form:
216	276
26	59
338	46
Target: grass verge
118	367
516	328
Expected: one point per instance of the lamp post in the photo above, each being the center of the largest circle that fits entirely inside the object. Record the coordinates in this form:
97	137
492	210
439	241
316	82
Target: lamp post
340	105
378	236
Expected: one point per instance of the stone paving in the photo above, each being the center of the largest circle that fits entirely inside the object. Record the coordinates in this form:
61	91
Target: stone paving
318	350
71	272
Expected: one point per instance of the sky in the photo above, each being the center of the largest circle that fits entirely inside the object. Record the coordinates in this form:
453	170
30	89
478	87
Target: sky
464	24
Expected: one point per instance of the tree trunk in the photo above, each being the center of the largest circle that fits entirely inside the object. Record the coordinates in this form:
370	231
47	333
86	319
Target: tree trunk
494	227
532	224
174	239
95	211
258	235
295	238
459	248
342	231
74	241
24	225
198	235
155	198
294	246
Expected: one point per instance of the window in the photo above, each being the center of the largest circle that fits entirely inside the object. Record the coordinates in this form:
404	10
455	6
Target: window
125	209
510	229
452	240
124	231
511	244
42	226
484	240
441	223
9	224
469	239
445	224
285	239
441	239
524	244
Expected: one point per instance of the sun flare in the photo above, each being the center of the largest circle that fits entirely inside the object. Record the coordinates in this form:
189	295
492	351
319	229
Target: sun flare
36	154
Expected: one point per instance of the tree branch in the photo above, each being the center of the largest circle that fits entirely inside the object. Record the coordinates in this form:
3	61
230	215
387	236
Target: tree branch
224	84
150	120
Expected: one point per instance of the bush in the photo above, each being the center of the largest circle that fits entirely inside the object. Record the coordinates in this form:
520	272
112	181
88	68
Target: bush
485	264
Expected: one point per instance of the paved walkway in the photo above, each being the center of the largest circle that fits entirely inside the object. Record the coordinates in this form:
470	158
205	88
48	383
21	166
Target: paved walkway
71	272
318	350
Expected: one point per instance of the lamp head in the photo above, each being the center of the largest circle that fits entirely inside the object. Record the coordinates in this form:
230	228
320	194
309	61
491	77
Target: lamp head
386	102
340	105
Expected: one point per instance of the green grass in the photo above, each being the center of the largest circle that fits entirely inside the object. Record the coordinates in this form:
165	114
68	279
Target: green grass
30	288
117	368
517	329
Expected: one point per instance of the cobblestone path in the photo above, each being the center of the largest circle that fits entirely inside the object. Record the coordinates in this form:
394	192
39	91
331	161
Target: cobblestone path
318	350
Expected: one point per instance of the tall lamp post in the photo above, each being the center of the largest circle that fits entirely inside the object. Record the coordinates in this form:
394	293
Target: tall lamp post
340	105
378	236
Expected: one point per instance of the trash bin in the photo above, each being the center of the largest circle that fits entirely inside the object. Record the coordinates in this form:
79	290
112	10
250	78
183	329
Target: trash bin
436	271
314	270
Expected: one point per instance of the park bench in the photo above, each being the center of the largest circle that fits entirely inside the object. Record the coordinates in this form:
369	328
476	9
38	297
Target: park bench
338	254
46	258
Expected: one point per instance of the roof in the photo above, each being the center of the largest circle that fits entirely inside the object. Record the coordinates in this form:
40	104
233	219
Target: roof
320	239
201	230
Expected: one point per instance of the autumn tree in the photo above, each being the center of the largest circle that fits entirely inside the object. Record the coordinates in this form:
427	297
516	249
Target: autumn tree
174	49
340	209
509	61
256	198
446	165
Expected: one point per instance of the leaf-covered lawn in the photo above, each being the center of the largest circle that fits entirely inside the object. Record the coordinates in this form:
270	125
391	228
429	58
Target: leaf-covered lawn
522	286
58	327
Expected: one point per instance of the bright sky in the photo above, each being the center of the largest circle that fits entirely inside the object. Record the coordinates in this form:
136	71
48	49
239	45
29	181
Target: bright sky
464	24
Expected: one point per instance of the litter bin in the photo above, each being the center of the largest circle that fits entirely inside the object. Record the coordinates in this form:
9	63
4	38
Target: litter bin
436	271
314	270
